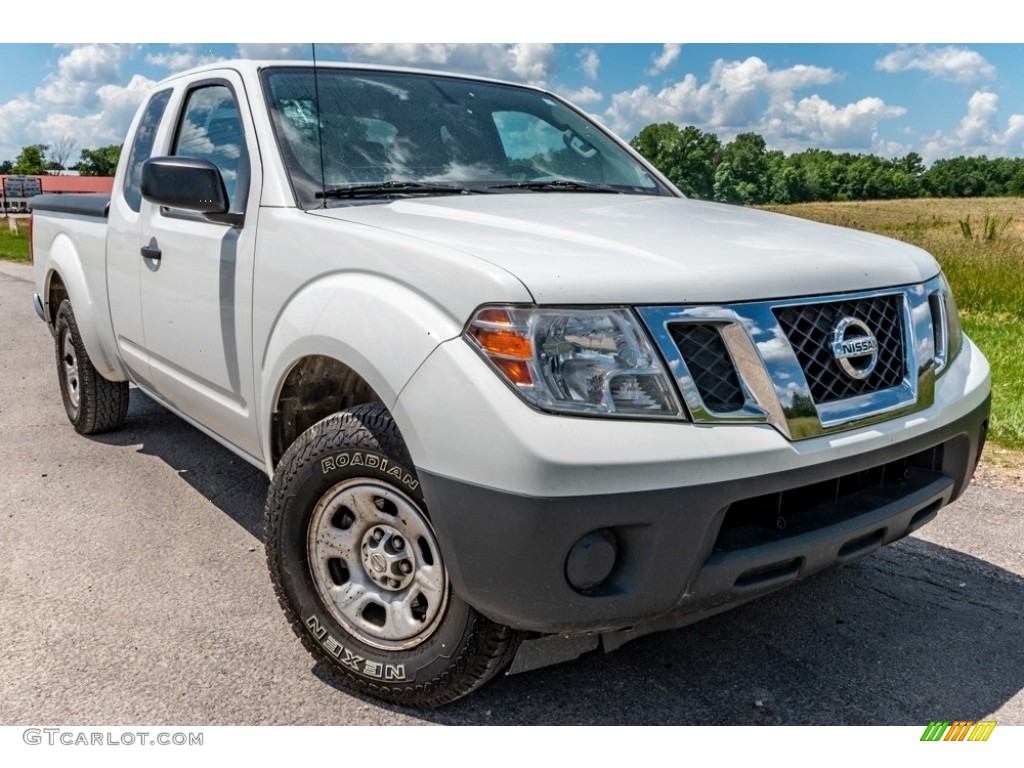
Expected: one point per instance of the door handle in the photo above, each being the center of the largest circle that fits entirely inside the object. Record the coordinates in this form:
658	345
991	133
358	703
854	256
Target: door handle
151	252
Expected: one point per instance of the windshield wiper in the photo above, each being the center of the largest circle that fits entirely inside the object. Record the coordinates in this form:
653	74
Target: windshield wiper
557	185
391	188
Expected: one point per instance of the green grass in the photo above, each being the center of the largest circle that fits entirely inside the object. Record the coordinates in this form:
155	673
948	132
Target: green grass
980	245
1000	340
13	247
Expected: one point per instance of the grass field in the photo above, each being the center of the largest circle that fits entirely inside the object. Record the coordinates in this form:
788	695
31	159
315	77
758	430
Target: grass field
13	247
980	244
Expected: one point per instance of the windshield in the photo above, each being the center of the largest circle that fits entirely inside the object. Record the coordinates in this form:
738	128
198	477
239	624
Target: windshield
436	135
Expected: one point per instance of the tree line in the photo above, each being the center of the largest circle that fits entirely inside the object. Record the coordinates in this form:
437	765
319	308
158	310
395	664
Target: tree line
744	171
43	159
741	171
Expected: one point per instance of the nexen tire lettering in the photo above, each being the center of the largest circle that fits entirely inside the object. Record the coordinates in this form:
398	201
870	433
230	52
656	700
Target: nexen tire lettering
360	664
371	461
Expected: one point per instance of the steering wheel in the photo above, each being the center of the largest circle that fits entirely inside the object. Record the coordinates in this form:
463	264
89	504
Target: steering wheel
527	171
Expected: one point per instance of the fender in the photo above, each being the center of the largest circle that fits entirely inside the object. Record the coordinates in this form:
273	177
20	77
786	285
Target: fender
380	329
91	312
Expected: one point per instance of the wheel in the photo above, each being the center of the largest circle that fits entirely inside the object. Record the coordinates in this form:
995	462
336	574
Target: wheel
359	573
93	403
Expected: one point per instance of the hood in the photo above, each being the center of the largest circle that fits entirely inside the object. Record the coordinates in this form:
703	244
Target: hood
628	249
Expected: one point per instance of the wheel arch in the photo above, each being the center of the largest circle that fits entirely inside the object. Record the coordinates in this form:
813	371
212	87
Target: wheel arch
66	279
314	387
363	333
55	293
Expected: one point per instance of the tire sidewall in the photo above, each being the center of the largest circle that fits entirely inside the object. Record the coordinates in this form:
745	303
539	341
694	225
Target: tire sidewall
66	326
428	661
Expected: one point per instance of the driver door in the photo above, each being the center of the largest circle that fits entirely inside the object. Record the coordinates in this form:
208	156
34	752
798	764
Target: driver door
196	283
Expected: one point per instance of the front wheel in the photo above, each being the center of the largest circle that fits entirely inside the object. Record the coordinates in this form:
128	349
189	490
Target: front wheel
359	571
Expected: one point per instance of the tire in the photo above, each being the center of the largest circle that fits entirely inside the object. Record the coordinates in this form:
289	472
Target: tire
359	573
93	404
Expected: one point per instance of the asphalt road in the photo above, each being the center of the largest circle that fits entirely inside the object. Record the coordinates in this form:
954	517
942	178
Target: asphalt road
133	589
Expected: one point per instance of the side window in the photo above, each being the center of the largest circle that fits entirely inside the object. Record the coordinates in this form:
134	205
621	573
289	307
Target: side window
142	148
211	129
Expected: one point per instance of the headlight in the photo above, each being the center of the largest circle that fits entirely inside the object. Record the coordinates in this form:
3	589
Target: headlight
578	361
949	337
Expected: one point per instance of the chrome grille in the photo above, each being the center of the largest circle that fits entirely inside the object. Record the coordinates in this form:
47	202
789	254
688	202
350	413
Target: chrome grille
809	330
775	357
709	363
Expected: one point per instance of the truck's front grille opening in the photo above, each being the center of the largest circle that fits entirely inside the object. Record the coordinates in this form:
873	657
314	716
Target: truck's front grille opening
809	330
779	516
710	366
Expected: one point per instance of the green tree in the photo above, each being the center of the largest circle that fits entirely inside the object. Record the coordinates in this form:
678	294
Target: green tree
688	157
727	186
99	162
6	166
692	162
32	161
910	163
655	141
747	179
1016	185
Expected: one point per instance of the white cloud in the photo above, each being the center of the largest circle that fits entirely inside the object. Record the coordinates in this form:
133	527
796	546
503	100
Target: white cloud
185	57
13	116
83	97
960	65
585	95
107	125
532	62
274	51
735	95
524	62
669	53
816	122
978	132
412	54
749	95
589	62
80	72
683	102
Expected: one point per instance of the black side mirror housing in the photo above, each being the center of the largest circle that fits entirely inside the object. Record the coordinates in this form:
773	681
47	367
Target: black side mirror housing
187	183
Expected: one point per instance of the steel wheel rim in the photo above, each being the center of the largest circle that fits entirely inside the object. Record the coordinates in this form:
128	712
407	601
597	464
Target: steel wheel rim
69	358
376	564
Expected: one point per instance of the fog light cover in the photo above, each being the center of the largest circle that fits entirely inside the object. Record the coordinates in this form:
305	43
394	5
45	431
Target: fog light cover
591	560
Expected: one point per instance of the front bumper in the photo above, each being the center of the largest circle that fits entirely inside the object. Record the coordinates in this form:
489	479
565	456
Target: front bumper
692	550
703	516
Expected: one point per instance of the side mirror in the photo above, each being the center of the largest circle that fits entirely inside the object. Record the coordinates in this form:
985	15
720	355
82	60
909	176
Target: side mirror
187	183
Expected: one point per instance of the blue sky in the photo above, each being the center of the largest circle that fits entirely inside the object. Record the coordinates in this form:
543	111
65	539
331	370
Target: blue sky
937	99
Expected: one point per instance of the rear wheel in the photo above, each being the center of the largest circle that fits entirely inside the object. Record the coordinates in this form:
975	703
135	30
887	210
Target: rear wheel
92	403
359	571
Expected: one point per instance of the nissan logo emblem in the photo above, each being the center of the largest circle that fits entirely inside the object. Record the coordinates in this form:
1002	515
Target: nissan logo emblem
854	347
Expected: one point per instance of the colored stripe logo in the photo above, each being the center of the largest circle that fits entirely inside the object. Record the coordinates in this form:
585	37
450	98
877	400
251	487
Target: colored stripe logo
958	730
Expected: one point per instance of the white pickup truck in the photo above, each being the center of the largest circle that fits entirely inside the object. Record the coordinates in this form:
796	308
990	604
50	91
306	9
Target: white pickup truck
518	397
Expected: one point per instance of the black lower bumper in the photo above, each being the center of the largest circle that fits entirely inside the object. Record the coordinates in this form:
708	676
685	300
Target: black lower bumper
691	550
